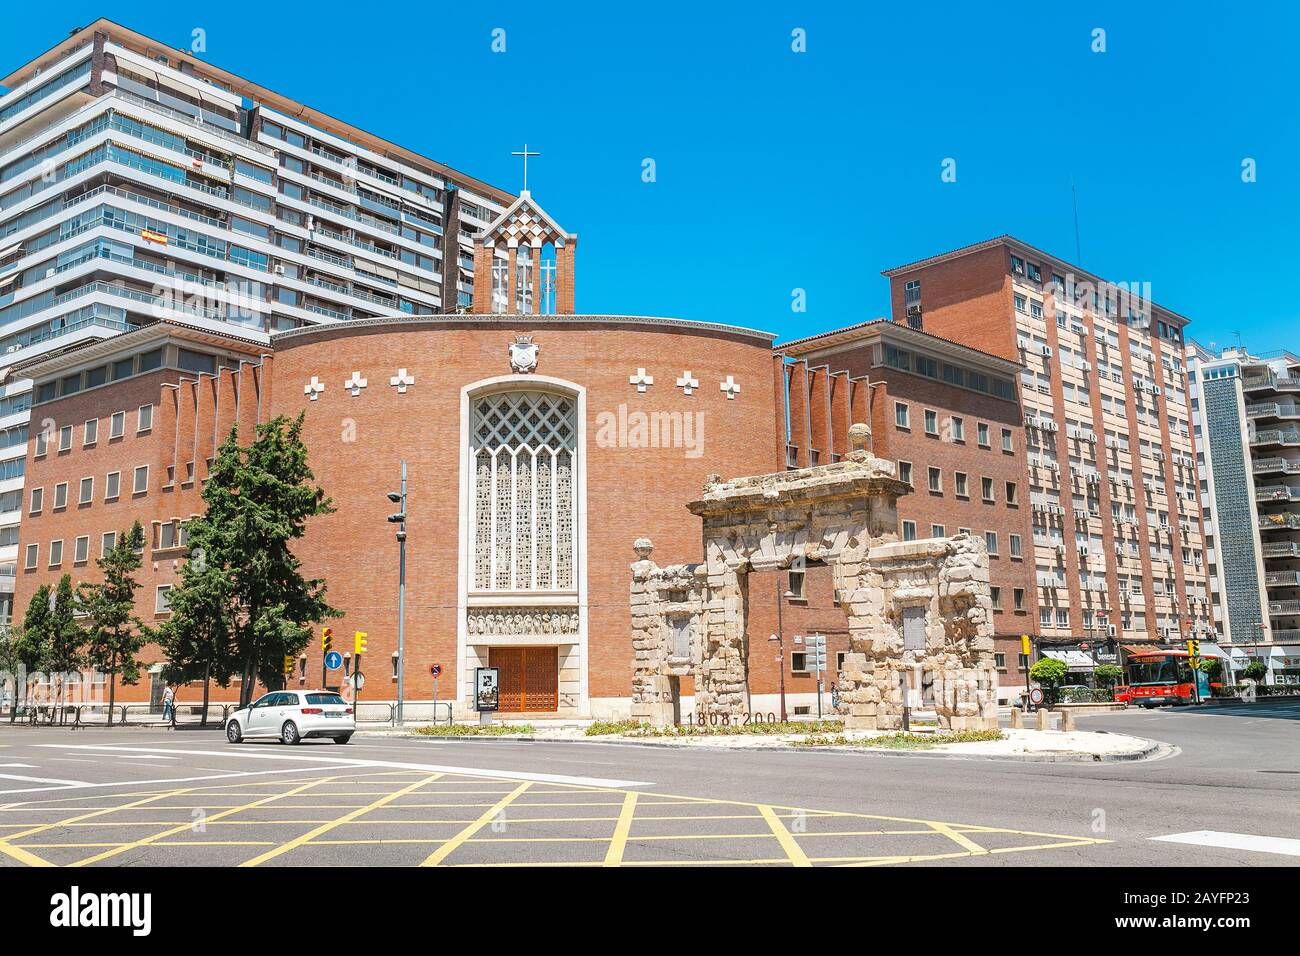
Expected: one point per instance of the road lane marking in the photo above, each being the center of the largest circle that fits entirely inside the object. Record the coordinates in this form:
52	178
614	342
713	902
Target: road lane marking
21	779
162	780
363	762
346	818
618	843
488	815
189	825
783	836
1234	841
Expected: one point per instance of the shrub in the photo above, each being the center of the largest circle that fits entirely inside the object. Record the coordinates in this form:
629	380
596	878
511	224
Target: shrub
475	730
1049	672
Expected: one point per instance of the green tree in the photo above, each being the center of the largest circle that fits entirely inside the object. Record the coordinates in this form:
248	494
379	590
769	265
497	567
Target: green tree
1108	675
258	499
32	643
1050	674
197	637
115	635
65	652
1256	671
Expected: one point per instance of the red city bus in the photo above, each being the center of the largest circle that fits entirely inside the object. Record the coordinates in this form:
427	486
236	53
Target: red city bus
1162	678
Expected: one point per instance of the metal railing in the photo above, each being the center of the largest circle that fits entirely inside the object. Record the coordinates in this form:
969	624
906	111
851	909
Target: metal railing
1276	436
1284	465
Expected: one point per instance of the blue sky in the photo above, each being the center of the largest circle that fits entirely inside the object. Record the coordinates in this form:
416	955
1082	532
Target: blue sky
778	170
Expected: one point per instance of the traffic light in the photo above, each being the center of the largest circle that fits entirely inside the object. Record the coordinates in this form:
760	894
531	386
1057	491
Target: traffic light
326	639
1193	648
289	665
1024	644
359	643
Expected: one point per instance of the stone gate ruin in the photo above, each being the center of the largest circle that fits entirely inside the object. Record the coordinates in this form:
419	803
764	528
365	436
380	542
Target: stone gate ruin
918	605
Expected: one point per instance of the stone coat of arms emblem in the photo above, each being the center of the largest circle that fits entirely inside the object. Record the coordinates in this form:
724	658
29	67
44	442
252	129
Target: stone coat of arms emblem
523	353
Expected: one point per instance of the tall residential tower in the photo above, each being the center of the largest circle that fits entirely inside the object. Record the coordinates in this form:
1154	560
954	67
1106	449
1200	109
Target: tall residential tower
138	182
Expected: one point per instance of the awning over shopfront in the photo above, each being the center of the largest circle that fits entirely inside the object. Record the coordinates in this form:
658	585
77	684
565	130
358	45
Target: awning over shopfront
1074	660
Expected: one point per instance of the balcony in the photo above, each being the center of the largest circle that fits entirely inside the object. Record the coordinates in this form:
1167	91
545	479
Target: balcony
1286	635
1280	522
1275	494
1281	608
1265	466
1275	436
1255	383
1282	579
1282	549
1272	410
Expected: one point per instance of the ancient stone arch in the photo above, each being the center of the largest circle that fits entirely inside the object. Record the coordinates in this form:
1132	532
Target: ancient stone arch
922	606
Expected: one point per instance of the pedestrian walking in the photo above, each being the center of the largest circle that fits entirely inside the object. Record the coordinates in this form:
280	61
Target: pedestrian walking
169	703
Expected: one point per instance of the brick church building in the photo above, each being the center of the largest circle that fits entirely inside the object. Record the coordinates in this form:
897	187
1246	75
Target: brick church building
539	444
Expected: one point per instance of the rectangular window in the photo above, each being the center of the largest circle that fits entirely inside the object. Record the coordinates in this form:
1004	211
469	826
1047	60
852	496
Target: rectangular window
905	471
162	602
56	553
797	585
982	433
141	479
991	542
117	425
986	488
1006	440
1015	546
65	438
38	501
1011	492
901	419
107	542
1000	661
144	418
931	422
962	484
1018	597
1062	617
33	556
937	531
909	531
61	495
958	429
81	550
42	444
112	485
995	594
87	491
91	434
936	480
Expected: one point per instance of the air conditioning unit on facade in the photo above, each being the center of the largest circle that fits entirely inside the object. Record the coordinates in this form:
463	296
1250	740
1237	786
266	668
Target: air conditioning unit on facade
1049	426
1022	344
1047	351
1083	550
1128	482
1110	630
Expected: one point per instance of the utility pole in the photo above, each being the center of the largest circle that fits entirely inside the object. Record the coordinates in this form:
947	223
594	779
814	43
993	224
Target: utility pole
399	498
779	637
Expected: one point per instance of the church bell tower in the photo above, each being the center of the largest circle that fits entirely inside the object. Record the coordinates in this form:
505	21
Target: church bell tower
523	263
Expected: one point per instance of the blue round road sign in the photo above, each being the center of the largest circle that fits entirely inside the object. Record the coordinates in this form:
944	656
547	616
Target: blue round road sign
333	660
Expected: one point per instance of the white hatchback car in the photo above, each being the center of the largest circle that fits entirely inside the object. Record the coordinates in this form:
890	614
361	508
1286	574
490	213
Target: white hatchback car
293	715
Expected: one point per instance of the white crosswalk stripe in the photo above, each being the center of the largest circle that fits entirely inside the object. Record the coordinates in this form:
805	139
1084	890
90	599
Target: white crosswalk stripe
1234	841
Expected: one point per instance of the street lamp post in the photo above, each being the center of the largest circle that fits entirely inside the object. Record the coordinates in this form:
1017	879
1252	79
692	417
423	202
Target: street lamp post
779	637
399	498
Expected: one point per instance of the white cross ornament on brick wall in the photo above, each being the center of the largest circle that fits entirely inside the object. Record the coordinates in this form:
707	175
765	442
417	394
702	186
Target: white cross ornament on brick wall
402	379
641	380
730	387
313	388
688	383
355	384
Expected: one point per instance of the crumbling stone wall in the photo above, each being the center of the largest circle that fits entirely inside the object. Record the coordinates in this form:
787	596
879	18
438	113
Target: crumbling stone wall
845	515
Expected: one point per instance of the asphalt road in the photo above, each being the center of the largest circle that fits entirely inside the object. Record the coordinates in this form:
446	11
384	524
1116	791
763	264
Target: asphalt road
145	797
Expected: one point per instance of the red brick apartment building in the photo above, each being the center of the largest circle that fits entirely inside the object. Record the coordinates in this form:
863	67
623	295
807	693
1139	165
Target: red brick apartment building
1118	542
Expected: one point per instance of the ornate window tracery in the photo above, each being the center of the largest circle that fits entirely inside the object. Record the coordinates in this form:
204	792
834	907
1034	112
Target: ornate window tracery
523	446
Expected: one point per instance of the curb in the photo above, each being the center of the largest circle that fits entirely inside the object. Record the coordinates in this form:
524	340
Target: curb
1154	749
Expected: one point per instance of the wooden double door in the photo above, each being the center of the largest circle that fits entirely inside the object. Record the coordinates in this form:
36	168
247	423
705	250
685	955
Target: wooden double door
529	678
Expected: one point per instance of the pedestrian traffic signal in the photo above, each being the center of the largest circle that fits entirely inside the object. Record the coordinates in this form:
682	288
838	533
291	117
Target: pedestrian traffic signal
359	643
326	639
1193	648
